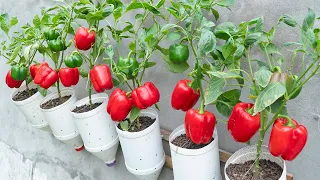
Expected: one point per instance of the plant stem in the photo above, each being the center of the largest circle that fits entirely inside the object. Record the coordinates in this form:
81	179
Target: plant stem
262	131
90	94
58	88
129	85
133	83
251	72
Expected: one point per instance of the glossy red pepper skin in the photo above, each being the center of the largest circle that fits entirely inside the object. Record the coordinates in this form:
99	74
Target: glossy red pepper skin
199	127
34	68
101	78
46	77
242	125
119	105
184	97
69	76
84	39
145	96
286	141
11	83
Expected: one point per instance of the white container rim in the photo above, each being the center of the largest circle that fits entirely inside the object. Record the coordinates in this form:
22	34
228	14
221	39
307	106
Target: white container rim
191	152
28	100
68	91
102	148
67	137
133	135
148	171
39	126
101	97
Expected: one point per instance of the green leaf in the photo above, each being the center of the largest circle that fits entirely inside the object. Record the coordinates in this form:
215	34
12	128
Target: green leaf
160	3
225	75
110	52
4	23
124	125
14	54
252	38
268	96
215	13
214	90
289	21
175	68
309	20
226	3
13	21
173	11
138	5
149	64
42	91
157	106
225	30
276	105
83	73
167	27
227	101
134	113
207	42
117	13
36	21
272	49
263	76
228	49
173	36
85	2
139	16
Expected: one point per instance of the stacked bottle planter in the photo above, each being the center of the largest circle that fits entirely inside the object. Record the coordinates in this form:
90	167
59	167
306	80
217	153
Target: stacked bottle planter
194	164
143	151
97	129
30	108
61	120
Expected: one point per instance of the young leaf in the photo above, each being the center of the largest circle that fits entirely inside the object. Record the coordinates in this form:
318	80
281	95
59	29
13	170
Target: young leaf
173	36
252	38
167	27
263	76
160	3
4	23
215	13
110	52
268	96
134	113
36	21
13	21
207	42
85	2
117	13
289	21
225	75
138	5
227	101
124	125
228	49
214	90
226	3
14	54
309	20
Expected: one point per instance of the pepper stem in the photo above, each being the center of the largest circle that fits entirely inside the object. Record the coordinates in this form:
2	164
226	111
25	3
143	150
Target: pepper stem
289	123
202	106
58	88
90	94
263	118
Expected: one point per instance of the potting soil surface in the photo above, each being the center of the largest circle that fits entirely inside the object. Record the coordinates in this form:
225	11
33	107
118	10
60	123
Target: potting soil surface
268	171
184	142
86	108
55	102
145	122
23	95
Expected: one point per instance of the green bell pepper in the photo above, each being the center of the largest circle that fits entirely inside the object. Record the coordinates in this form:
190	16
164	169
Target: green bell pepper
51	34
74	60
128	66
178	53
57	45
19	73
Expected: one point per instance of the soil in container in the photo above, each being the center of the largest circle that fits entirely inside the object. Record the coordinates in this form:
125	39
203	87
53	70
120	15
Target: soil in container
25	94
184	142
55	102
86	108
268	171
144	121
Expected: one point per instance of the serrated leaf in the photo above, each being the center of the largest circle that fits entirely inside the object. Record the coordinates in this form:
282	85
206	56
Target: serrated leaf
42	91
263	76
173	36
268	96
207	42
134	113
225	75
214	90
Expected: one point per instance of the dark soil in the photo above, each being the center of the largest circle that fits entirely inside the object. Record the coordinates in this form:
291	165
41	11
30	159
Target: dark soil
55	102
269	171
86	108
184	142
145	122
23	95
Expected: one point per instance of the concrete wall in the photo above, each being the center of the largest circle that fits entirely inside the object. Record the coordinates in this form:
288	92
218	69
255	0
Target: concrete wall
27	153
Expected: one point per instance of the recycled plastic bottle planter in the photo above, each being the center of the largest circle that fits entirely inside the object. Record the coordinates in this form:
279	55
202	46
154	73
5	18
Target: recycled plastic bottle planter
30	108
249	153
192	164
143	151
97	129
61	121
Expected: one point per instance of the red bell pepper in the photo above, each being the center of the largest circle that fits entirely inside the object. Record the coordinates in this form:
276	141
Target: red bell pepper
287	139
242	125
183	96
11	82
199	127
69	76
46	77
34	68
84	38
145	96
119	105
101	78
